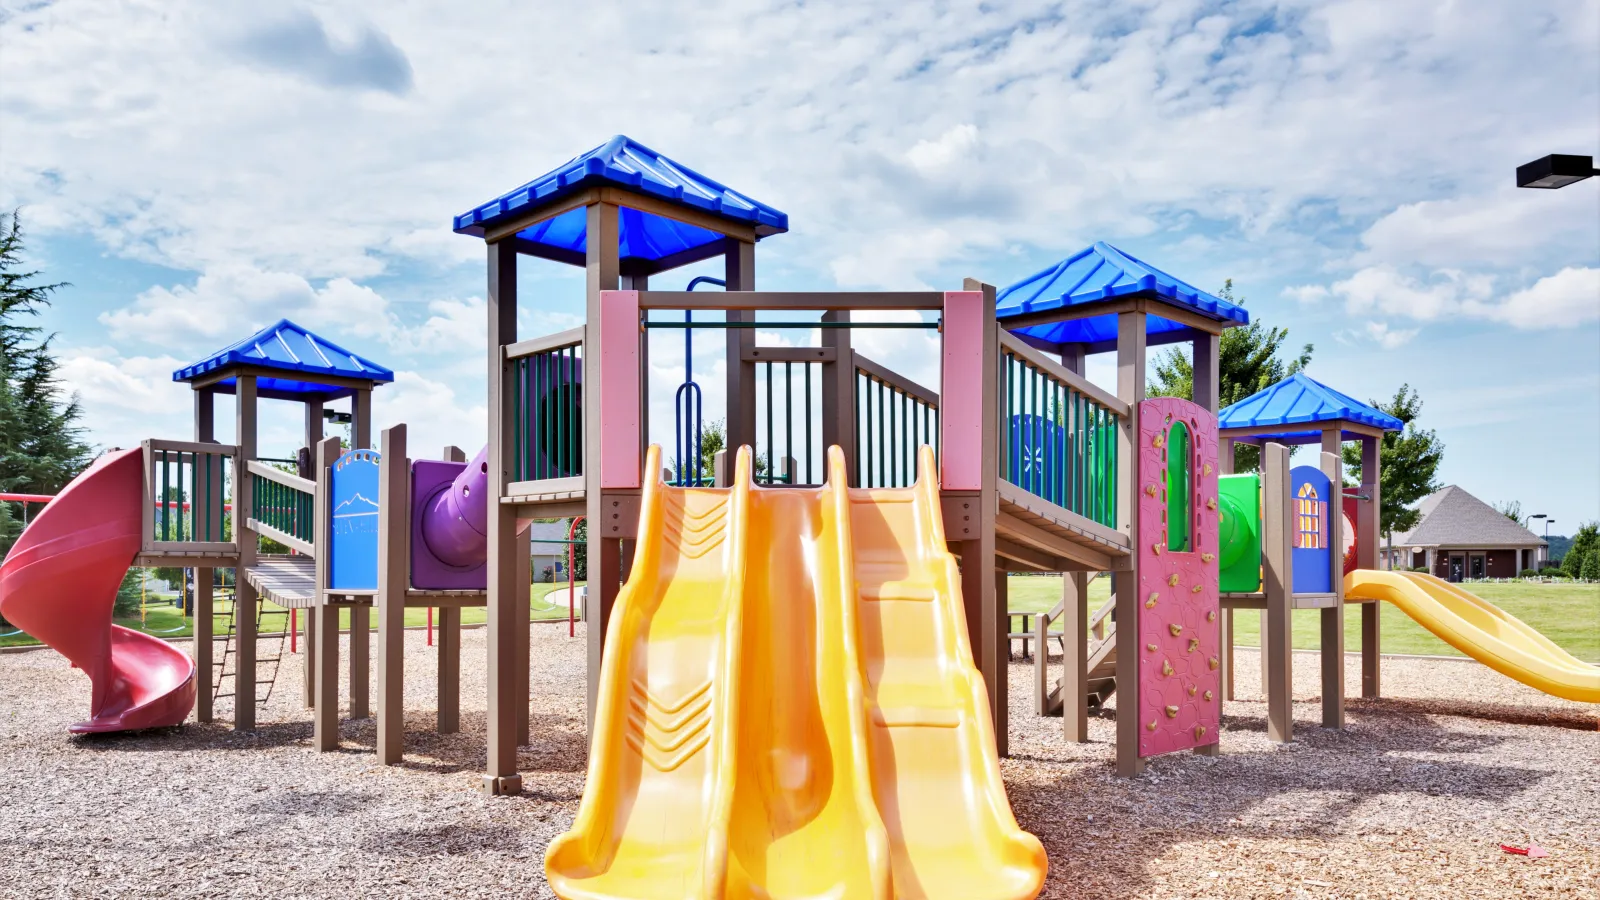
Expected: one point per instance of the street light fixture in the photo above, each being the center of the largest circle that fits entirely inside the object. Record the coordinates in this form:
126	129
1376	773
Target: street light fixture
1555	171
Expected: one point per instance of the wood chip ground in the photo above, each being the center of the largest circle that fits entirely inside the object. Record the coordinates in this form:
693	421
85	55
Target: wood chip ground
1411	801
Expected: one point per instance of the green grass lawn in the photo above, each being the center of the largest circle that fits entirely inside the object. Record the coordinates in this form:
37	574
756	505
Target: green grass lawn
166	621
1568	614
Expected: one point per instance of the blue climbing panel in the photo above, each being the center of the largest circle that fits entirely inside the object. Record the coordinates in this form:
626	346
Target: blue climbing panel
1310	492
353	558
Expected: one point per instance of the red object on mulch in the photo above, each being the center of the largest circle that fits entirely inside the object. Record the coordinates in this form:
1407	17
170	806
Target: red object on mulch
1533	851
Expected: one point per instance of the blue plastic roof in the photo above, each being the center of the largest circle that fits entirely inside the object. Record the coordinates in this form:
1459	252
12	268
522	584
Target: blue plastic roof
624	162
1102	272
299	354
1300	400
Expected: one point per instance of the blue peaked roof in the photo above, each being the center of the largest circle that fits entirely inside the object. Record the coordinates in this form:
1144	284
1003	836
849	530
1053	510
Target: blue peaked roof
626	163
1300	400
1102	272
302	357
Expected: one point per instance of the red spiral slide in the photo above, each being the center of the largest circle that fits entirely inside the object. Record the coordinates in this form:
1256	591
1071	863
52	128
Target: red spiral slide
60	582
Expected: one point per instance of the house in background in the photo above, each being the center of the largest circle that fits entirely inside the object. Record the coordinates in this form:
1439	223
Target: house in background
1461	537
548	546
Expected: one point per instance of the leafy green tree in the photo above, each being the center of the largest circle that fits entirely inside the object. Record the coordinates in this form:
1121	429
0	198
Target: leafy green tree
580	552
1250	359
1585	544
1511	509
1408	462
1591	566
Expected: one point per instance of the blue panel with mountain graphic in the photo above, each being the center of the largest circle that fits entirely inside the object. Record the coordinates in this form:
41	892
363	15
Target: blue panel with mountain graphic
353	558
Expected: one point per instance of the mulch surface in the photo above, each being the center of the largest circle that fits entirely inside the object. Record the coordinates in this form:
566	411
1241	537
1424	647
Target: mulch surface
1411	800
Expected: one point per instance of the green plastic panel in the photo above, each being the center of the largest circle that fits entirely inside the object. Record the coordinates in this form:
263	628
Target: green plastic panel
1178	493
1239	533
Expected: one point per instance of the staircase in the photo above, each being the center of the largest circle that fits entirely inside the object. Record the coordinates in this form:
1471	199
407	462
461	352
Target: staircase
1102	665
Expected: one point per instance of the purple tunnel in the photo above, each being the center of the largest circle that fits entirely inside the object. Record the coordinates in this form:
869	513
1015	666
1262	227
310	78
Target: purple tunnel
455	521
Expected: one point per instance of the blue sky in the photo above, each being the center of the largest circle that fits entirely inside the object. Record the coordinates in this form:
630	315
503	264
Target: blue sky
198	170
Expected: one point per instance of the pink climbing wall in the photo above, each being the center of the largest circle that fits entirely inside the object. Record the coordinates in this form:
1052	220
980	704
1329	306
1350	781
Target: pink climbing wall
1179	689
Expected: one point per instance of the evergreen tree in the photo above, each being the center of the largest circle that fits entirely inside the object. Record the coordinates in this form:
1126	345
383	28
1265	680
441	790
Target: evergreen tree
1249	361
1585	545
1408	462
1591	566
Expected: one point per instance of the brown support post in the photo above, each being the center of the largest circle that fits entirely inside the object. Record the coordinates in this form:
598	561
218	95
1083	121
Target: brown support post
244	605
360	661
987	623
1130	389
394	533
605	565
308	637
361	420
1074	656
740	274
838	392
1206	378
1333	617
1225	670
313	410
524	625
325	720
1367	558
501	776
447	639
1277	583
1072	357
205	428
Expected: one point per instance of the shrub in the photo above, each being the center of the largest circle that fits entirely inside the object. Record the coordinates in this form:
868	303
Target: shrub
1419	569
1591	566
1552	572
1529	573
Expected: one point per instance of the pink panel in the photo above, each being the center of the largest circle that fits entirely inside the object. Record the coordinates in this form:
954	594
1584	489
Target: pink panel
1179	613
961	393
619	389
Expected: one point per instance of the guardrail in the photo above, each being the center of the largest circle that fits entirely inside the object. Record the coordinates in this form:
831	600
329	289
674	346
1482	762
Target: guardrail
188	485
547	407
282	506
1058	433
894	416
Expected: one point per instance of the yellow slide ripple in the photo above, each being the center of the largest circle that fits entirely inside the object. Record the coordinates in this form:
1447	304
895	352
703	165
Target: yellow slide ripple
1481	630
789	709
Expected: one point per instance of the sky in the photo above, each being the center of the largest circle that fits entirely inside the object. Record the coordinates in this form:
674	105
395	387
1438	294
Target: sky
197	170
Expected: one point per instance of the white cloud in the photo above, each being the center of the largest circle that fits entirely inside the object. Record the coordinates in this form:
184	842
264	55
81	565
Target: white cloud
1569	297
1389	338
435	414
126	400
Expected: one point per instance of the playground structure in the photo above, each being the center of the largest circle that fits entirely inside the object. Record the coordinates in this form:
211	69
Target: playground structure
842	521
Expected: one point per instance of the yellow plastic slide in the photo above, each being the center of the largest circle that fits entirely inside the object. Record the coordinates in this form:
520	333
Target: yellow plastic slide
788	709
1481	630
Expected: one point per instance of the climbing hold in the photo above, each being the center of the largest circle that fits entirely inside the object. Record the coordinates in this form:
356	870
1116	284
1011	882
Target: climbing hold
1199	732
1151	647
1156	547
1151	489
1151	603
1206	470
1211	615
1166	667
1207	557
1175	629
1194	644
1160	441
1152	726
1207	695
1211	663
1192	689
1197	589
1173	579
1172	712
1211	503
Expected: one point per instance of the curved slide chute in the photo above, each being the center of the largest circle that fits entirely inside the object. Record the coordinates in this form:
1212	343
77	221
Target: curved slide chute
59	584
1481	630
789	709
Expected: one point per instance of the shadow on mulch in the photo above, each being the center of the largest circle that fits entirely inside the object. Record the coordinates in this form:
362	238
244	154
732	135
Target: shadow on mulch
1218	795
210	736
446	840
1469	709
311	803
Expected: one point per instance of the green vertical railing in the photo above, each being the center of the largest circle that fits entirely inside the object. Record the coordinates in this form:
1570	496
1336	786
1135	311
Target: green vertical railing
1060	443
547	413
785	412
891	423
283	507
189	496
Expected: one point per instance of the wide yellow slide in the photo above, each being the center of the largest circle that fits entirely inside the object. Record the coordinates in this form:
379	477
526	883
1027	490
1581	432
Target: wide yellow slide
789	709
1481	630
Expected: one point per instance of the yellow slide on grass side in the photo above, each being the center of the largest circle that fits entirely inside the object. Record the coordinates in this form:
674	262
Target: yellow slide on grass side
767	730
1481	630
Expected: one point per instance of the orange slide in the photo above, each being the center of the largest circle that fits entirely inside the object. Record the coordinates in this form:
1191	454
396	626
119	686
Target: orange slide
59	583
789	709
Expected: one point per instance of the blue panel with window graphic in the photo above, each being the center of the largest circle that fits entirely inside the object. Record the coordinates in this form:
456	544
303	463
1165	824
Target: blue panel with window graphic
1309	528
